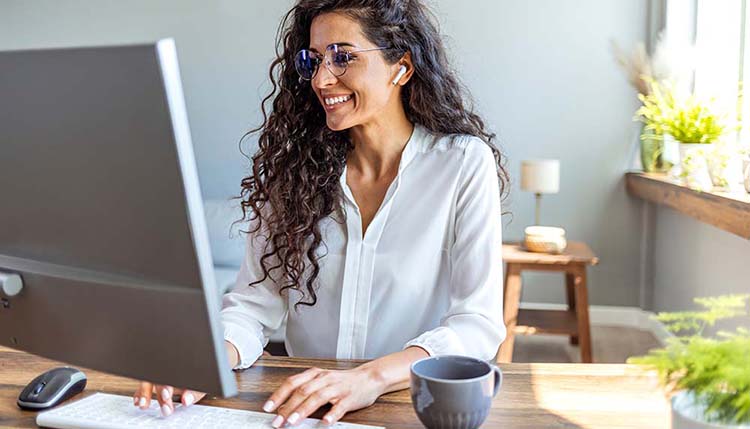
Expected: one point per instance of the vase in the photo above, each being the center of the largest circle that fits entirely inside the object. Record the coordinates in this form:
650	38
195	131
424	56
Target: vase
694	166
652	150
746	173
688	414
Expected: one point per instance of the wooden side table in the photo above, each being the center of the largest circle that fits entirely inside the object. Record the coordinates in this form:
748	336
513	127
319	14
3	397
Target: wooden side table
574	322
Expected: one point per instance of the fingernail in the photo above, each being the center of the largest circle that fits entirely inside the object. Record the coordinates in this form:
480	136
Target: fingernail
268	406
165	410
189	399
328	420
277	421
293	418
165	395
142	402
135	400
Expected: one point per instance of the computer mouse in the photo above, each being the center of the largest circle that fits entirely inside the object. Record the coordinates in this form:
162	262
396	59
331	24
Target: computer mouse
51	388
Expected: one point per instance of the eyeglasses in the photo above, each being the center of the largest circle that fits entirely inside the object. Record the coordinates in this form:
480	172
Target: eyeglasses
336	59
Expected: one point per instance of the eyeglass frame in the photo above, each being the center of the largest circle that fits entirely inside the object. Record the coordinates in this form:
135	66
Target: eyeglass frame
327	63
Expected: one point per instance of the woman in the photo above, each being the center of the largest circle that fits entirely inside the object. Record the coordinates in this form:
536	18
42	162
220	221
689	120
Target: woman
374	203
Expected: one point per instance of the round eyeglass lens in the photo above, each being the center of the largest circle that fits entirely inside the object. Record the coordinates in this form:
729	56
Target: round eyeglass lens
337	59
306	63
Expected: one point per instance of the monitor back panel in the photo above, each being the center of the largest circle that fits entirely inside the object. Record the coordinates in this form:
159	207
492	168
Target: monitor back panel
96	215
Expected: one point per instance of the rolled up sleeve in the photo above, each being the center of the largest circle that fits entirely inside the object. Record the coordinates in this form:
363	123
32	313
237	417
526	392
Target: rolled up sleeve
473	325
251	313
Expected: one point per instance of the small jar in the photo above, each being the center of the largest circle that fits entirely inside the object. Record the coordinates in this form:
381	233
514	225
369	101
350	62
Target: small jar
545	239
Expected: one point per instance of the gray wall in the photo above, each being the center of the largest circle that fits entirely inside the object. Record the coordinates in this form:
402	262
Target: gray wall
693	259
544	78
541	73
224	48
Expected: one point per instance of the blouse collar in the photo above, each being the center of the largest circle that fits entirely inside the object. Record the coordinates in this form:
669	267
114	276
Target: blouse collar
412	148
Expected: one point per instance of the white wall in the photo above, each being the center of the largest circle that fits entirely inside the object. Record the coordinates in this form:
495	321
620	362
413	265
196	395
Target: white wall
540	70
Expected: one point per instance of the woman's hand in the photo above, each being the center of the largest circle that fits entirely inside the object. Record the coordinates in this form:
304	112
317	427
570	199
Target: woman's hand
302	394
163	393
142	397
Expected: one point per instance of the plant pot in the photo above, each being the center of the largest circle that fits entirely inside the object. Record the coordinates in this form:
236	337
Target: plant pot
671	155
687	414
694	166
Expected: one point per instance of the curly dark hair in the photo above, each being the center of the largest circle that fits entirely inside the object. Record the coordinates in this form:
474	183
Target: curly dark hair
294	182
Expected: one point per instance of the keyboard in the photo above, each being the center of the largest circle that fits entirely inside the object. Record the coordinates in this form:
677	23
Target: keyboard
106	411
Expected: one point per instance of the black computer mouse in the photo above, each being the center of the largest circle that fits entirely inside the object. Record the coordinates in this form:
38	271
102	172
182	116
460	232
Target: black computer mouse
51	388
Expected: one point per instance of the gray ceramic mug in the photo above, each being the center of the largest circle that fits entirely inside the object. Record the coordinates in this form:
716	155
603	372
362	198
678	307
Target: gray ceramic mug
453	391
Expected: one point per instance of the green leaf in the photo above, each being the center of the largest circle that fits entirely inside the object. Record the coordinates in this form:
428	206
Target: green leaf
716	370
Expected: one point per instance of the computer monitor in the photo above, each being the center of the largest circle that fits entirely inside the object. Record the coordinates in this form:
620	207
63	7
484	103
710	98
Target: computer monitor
101	217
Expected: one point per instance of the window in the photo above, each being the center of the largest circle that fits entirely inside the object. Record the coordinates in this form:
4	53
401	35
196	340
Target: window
717	29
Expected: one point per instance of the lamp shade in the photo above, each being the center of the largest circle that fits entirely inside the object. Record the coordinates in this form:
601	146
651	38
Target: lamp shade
540	176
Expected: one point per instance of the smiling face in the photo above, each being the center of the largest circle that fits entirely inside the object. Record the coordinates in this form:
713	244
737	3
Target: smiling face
364	91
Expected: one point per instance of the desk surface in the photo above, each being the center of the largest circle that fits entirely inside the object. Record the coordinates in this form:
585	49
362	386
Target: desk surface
533	395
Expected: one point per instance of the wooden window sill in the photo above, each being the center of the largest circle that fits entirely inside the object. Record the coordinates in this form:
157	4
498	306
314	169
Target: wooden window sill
729	211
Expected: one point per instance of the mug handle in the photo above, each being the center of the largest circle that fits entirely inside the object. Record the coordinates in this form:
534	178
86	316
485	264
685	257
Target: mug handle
498	379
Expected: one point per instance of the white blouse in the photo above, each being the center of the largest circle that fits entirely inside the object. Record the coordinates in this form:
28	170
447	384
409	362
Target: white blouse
427	273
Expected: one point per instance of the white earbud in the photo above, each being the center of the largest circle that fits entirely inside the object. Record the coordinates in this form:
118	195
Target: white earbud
401	72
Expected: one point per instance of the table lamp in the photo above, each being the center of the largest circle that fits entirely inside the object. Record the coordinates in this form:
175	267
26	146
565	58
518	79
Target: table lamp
542	176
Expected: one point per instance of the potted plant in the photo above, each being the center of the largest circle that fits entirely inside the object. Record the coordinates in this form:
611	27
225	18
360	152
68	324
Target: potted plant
657	106
670	61
708	377
693	125
718	165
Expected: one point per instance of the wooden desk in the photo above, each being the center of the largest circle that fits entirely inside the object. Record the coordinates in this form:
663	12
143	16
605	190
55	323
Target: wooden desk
533	395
